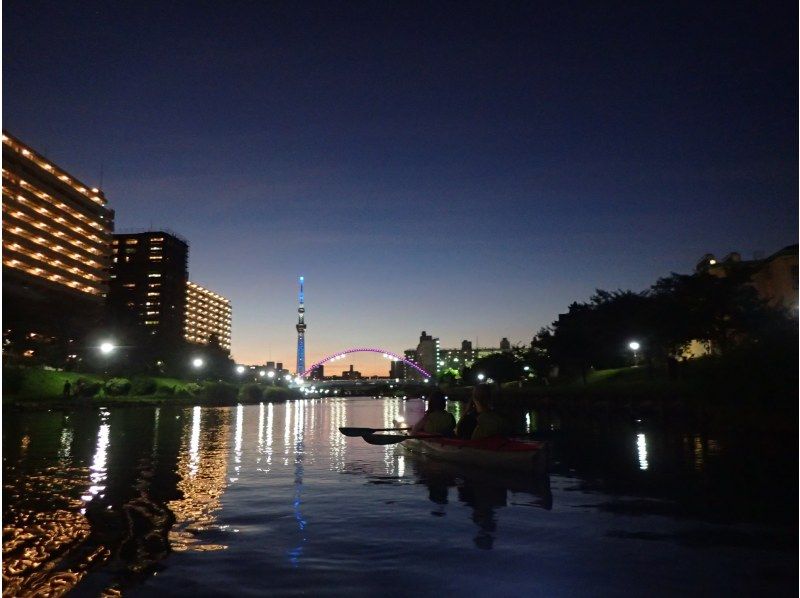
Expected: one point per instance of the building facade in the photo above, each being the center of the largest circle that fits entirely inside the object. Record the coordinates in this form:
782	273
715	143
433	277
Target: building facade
774	278
147	290
56	248
207	314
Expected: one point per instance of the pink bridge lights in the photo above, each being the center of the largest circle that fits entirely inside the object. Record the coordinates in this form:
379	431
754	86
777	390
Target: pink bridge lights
384	352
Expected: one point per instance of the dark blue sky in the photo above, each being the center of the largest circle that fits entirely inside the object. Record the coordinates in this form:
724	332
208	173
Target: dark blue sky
467	169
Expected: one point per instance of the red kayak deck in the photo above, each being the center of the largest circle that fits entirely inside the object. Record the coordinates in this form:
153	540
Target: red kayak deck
493	443
505	453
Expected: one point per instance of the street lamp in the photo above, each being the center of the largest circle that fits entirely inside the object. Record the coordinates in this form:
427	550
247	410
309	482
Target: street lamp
240	369
481	377
634	346
106	349
271	376
197	363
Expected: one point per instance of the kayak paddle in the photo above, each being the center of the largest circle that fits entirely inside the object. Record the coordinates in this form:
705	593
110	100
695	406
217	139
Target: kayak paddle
365	431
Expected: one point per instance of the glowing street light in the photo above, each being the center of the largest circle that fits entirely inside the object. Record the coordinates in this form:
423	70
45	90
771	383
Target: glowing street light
197	363
262	373
481	377
106	348
240	369
270	374
634	346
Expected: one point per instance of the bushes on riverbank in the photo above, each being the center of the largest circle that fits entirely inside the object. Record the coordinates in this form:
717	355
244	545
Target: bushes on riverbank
36	385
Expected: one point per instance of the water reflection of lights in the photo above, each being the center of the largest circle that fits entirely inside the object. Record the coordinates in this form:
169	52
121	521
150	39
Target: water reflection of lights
338	419
65	444
98	468
260	431
699	456
194	442
391	412
237	449
641	445
202	487
270	423
156	418
299	454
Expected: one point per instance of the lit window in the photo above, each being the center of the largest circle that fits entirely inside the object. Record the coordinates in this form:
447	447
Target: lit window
131	242
154	275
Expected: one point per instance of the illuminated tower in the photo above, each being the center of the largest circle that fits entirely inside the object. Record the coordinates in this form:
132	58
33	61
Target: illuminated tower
301	333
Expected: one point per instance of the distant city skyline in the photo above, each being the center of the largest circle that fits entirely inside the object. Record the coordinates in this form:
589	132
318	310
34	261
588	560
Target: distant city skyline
466	174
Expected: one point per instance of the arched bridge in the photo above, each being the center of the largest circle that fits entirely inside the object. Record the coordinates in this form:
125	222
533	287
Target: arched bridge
384	352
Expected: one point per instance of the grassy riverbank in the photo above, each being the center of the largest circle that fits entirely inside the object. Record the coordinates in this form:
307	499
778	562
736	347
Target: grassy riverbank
707	390
45	388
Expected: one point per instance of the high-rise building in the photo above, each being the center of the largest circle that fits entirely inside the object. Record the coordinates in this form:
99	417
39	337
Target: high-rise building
148	283
207	314
427	357
318	372
56	245
505	345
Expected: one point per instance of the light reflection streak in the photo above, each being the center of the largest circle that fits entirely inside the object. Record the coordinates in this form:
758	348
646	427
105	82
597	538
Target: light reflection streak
338	443
260	431
287	428
194	442
299	453
65	444
203	487
270	424
155	430
391	411
237	449
641	444
699	457
98	469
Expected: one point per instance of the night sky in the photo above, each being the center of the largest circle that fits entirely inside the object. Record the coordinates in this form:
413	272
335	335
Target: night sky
467	169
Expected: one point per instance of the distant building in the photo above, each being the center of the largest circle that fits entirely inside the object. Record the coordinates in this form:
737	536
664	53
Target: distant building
456	359
775	278
427	357
207	314
149	274
351	374
56	247
505	345
318	372
397	370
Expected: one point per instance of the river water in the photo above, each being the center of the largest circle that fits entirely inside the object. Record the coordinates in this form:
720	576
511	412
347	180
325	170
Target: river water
271	499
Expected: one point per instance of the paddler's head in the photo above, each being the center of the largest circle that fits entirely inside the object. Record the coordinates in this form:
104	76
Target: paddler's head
437	402
481	397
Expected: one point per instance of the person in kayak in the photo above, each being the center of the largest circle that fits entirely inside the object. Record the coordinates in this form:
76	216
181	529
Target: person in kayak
489	422
466	425
436	420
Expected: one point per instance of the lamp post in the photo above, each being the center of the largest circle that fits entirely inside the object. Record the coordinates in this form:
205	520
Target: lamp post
481	377
197	364
106	349
271	376
634	346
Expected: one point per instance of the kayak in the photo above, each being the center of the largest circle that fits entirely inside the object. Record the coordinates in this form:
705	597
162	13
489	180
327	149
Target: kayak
496	452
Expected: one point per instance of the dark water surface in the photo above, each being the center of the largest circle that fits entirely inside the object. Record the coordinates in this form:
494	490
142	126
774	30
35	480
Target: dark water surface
272	500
